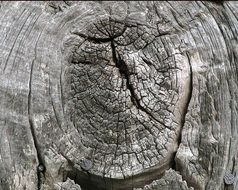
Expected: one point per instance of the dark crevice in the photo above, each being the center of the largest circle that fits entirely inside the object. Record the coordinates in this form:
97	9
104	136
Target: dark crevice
173	162
100	40
217	2
88	181
40	168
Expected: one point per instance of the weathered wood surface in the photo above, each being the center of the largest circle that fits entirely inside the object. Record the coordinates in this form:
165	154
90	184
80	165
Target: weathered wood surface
118	95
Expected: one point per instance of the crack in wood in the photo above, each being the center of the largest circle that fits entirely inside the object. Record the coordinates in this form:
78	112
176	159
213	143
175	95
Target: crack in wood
124	71
184	113
100	40
40	168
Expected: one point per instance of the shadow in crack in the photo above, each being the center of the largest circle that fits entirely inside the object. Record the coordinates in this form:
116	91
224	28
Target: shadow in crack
88	181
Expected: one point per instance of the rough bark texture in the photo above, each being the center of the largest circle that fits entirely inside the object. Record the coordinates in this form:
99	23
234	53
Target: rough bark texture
118	95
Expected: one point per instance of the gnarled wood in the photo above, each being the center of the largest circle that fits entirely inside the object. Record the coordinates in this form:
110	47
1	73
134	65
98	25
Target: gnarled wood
118	95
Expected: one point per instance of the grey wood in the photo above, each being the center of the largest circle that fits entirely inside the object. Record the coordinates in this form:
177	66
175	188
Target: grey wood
118	95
